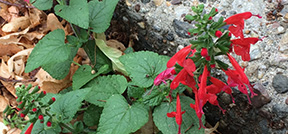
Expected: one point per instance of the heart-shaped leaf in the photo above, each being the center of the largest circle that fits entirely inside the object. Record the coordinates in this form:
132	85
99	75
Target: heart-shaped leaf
118	117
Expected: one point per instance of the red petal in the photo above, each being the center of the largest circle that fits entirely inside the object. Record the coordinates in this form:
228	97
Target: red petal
172	114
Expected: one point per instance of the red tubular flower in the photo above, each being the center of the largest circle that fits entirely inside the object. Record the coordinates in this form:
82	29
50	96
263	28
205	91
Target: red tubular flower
219	86
204	53
242	47
29	129
185	76
167	74
177	114
237	23
238	78
188	33
179	57
218	33
49	124
201	97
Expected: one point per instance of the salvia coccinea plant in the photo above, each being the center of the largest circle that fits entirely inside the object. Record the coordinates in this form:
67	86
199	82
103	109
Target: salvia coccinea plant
192	65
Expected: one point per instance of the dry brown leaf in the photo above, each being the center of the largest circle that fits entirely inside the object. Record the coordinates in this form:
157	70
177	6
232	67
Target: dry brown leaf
13	12
34	35
14	131
4	12
9	49
16	24
10	87
16	62
116	44
211	130
4	71
13	38
53	23
3	103
36	17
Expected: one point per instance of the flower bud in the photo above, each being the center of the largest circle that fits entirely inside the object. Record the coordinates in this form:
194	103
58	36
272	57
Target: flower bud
22	115
51	100
40	117
49	124
21	104
34	109
210	18
218	33
28	87
35	90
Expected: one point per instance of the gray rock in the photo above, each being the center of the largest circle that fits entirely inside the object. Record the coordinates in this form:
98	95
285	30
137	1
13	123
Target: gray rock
280	110
255	52
280	83
283	45
145	1
181	28
169	36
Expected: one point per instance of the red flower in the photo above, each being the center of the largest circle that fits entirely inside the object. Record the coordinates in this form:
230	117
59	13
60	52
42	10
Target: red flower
201	97
29	129
216	10
185	76
179	57
237	23
242	47
177	114
40	117
49	124
165	75
34	109
238	78
218	33
204	53
210	18
188	33
219	86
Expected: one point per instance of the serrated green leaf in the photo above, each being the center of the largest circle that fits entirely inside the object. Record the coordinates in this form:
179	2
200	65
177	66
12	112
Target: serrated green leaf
66	106
154	98
84	74
50	49
169	125
104	87
113	54
121	118
76	13
143	66
100	14
42	4
135	92
92	115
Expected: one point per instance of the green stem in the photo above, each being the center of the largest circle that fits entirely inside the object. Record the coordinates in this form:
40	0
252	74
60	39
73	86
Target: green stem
74	62
71	129
73	29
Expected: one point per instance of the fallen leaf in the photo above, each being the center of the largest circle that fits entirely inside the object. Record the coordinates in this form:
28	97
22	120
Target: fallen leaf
13	37
13	12
16	24
36	17
16	62
116	44
53	23
3	103
9	49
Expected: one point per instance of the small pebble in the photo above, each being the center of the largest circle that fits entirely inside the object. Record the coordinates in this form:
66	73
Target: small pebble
137	8
247	31
286	16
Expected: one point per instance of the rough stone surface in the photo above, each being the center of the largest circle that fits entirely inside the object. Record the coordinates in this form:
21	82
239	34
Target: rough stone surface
280	83
162	29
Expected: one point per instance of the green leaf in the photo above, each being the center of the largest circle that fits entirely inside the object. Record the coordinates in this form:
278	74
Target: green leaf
66	106
169	125
135	92
92	115
51	49
42	4
105	86
121	118
153	99
84	74
144	66
100	14
113	54
76	13
97	57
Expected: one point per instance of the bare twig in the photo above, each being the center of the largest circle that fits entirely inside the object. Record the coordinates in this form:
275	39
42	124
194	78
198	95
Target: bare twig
11	80
15	4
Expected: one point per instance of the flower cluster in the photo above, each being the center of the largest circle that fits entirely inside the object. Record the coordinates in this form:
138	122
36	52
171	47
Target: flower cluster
29	103
193	63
